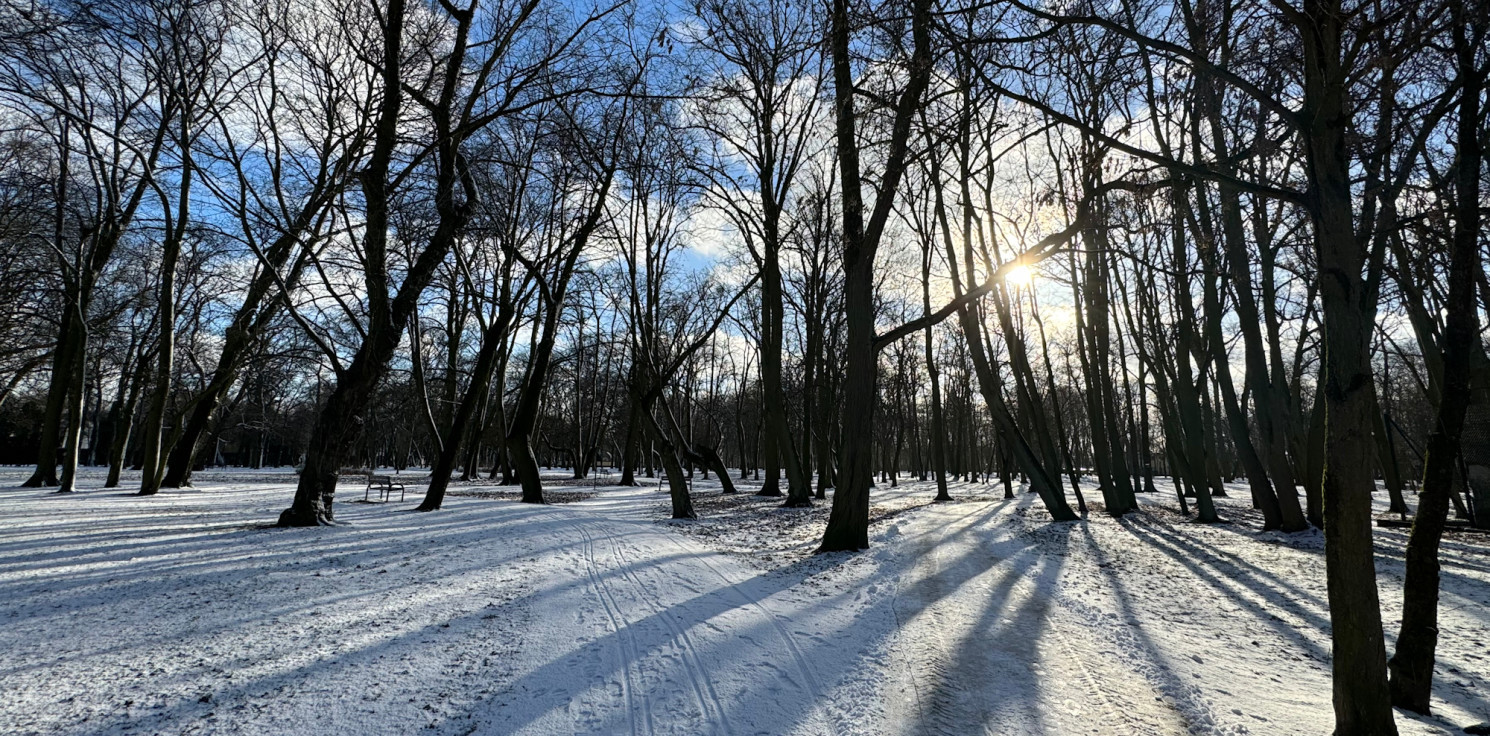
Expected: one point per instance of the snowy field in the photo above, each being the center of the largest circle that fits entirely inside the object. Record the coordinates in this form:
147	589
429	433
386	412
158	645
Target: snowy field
184	613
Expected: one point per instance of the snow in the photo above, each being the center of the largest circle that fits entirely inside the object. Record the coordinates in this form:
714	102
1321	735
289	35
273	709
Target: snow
185	613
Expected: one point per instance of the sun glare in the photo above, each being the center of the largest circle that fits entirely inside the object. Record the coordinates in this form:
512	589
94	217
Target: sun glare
1020	276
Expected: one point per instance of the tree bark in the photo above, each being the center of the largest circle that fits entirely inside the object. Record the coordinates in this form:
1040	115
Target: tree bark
155	448
1411	667
848	523
493	339
1361	697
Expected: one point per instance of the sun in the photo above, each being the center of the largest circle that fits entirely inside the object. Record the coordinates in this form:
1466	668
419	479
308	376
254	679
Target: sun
1020	275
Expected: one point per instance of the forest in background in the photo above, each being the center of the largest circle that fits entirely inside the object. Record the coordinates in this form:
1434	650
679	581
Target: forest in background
1069	245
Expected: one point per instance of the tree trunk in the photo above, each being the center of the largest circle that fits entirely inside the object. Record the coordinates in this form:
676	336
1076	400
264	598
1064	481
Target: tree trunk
73	409
45	474
338	429
677	483
124	421
629	446
1411	666
1314	442
492	341
1386	455
848	523
1186	391
339	425
165	356
1361	697
778	429
938	423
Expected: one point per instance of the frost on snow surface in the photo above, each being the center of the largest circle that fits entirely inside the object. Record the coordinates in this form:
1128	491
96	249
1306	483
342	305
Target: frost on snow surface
186	613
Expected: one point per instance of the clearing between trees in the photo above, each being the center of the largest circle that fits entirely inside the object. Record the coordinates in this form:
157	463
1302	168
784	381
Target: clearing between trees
185	613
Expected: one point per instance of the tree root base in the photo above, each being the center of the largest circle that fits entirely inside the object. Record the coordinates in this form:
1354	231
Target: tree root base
292	517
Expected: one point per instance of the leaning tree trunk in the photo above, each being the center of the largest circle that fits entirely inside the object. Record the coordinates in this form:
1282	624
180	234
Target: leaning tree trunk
339	425
74	293
1263	496
1362	699
248	324
1098	301
1412	665
697	453
525	418
492	342
677	481
1273	485
51	423
1041	480
989	384
338	429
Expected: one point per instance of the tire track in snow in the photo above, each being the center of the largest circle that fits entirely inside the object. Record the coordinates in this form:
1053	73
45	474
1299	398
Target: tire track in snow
625	643
805	669
1202	717
937	666
1116	652
629	579
709	704
929	649
935	652
1112	714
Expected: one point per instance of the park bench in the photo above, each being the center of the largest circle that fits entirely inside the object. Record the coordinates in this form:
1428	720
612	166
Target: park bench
386	484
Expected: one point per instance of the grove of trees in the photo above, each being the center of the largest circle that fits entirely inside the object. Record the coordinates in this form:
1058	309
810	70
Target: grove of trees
1069	246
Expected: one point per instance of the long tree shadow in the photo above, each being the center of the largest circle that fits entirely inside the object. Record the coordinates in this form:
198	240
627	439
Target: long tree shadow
713	615
780	690
233	574
664	639
203	554
1187	699
1212	565
1212	569
1000	645
261	694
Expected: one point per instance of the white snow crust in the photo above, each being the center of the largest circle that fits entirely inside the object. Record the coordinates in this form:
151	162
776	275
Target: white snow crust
186	613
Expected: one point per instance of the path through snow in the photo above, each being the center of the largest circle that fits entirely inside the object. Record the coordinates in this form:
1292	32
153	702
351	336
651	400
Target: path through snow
182	614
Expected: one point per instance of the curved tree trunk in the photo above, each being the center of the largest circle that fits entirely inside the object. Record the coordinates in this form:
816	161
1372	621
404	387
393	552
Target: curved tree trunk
677	481
338	429
476	395
1411	666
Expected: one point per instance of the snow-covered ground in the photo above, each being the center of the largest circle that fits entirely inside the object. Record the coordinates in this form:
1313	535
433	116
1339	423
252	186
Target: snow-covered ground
185	613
